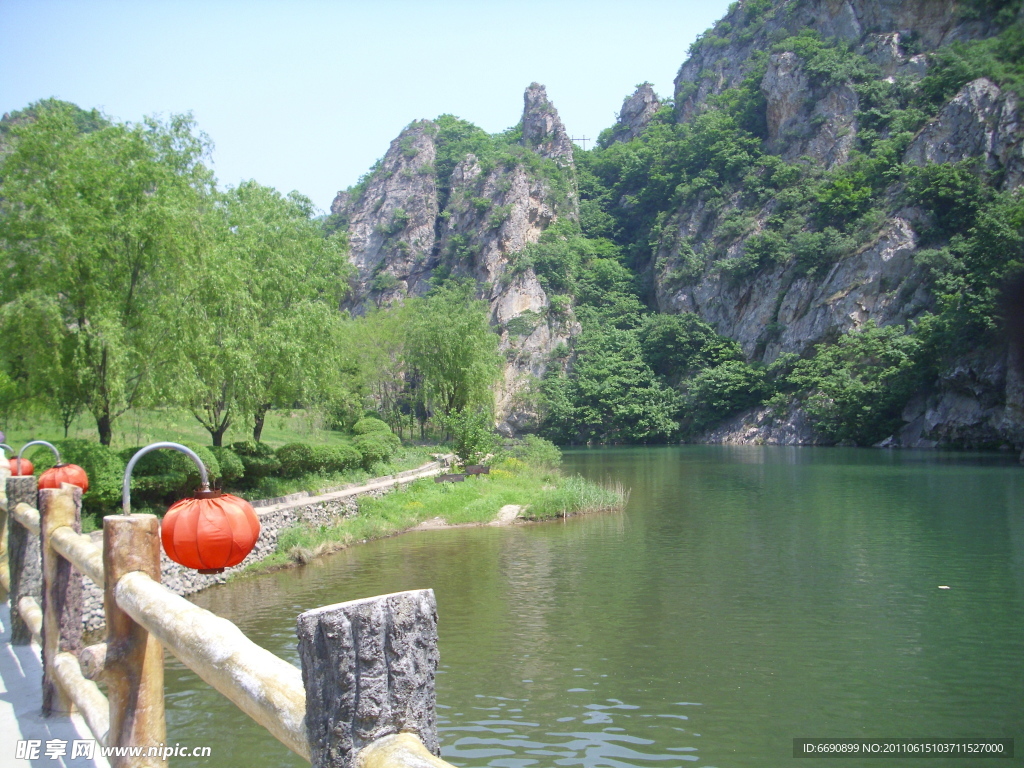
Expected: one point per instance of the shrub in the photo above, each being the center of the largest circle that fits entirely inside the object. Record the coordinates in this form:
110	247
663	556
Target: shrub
716	393
103	466
258	461
537	451
376	447
370	425
335	458
231	467
856	389
296	459
472	432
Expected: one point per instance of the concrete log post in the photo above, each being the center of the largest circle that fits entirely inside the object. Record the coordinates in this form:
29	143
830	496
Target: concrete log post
368	669
134	660
23	555
62	591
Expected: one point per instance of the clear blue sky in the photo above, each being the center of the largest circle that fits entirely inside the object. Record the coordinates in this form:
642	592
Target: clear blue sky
306	94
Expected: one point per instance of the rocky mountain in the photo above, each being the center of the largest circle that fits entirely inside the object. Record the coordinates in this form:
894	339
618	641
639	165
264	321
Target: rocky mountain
787	195
447	200
818	120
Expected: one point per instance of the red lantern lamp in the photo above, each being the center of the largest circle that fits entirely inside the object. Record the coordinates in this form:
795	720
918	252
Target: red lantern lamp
21	468
64	473
210	531
54	476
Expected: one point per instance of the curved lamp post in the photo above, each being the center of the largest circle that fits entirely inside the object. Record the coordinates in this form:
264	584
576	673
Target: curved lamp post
209	531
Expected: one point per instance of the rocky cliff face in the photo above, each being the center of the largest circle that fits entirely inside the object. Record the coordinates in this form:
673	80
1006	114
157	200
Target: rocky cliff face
882	29
407	225
779	309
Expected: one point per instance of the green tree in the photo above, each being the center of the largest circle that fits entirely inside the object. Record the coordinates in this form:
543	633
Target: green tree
855	389
99	231
452	347
718	392
377	365
610	395
678	346
263	317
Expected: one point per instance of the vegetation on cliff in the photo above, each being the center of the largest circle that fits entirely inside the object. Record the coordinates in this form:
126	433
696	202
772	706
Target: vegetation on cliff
774	214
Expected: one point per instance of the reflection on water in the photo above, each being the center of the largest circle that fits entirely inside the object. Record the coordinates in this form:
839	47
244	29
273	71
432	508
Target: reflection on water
747	596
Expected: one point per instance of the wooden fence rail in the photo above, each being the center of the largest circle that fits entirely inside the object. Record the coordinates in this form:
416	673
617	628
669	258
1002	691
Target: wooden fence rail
334	714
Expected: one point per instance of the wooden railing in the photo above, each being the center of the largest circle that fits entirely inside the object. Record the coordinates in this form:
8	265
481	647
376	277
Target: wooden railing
364	695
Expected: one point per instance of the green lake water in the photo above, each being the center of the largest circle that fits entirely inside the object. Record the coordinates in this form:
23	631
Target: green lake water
747	596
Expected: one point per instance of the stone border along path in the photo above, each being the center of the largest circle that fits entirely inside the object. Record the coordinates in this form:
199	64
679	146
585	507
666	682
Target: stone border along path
275	515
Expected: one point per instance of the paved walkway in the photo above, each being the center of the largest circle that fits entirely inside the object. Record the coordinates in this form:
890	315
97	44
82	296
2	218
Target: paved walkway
21	701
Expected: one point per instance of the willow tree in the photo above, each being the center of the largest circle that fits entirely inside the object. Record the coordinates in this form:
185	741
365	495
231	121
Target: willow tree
453	351
262	313
99	231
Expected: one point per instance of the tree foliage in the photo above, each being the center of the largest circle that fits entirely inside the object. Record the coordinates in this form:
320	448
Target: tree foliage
99	230
262	312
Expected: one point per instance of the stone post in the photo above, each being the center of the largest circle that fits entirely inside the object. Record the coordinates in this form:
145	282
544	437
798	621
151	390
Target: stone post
62	591
23	556
368	669
134	662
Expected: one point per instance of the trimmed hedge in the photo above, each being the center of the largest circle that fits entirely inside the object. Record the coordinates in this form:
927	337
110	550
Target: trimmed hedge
376	447
299	459
296	459
259	460
369	426
231	467
336	458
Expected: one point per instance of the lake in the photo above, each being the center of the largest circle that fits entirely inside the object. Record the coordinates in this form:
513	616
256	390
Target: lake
747	596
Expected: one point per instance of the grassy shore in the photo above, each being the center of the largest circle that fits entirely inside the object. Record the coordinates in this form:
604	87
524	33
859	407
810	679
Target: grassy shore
544	494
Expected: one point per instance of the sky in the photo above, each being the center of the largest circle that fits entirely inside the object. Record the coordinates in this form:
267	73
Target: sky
306	94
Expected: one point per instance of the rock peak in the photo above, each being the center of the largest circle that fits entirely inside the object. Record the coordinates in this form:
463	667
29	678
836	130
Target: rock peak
637	111
543	131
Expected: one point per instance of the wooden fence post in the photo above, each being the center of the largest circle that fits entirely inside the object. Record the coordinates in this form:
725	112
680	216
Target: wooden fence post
135	661
62	591
368	669
23	556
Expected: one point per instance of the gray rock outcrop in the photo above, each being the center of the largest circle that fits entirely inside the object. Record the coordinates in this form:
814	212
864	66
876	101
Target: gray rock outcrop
779	308
807	121
981	122
403	228
637	111
543	131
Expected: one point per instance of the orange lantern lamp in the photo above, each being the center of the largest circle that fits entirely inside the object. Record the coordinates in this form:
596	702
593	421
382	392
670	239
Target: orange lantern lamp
19	467
55	475
211	530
